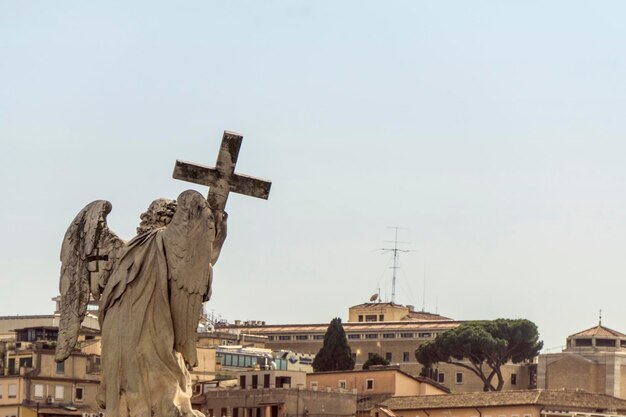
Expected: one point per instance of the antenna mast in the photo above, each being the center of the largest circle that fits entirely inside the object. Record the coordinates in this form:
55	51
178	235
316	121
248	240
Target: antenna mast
395	267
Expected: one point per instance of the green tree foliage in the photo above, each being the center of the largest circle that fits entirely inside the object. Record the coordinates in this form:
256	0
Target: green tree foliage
483	347
335	354
375	359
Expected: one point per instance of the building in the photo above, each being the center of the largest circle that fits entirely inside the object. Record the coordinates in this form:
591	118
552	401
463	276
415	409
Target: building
527	403
271	379
275	402
379	380
272	393
594	360
391	330
394	332
223	338
8	324
33	384
374	385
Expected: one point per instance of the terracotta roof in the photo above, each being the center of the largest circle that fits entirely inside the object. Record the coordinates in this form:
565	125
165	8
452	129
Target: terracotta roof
547	398
599	330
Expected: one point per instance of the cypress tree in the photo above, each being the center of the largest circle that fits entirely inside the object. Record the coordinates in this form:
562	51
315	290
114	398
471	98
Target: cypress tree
335	354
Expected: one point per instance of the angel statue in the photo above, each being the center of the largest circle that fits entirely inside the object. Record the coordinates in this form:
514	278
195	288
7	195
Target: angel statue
151	291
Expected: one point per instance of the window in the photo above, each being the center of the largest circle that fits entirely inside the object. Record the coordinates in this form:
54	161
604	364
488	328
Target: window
59	392
0	392
26	362
224	412
389	335
371	336
342	384
302	337
255	381
388	356
426	335
459	377
513	379
318	336
60	367
242	381
235	411
602	342
353	354
79	394
266	380
12	391
583	342
406	357
370	317
354	336
270	338
314	385
406	335
381	317
360	317
369	384
441	378
38	391
282	337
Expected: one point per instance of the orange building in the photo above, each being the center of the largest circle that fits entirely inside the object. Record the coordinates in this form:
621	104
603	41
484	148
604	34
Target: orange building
374	385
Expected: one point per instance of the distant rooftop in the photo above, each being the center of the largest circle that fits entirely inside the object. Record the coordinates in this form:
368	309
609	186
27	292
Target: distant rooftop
599	330
365	326
547	398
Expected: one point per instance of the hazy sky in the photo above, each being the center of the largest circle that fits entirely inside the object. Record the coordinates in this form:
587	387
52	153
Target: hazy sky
493	132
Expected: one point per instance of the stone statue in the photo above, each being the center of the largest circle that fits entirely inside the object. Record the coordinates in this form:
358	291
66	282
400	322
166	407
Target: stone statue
150	289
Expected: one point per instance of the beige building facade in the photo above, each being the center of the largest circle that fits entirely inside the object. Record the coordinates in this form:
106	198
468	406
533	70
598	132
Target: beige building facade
275	402
37	382
394	332
374	385
594	360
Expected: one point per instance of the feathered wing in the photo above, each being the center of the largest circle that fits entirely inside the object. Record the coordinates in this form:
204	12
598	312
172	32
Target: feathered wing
88	254
189	244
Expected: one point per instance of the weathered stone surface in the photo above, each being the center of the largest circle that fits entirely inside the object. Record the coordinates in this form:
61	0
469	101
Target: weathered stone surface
222	179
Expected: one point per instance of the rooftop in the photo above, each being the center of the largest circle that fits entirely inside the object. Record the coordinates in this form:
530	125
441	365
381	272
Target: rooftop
547	398
352	327
600	331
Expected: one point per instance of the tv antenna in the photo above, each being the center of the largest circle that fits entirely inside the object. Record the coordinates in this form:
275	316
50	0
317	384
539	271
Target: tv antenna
395	250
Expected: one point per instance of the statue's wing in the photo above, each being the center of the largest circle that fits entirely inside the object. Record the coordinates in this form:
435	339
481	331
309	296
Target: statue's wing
188	244
88	254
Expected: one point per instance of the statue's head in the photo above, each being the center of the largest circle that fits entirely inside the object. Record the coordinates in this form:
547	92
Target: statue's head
158	215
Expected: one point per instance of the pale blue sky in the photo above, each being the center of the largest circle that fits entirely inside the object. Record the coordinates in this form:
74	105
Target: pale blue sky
492	131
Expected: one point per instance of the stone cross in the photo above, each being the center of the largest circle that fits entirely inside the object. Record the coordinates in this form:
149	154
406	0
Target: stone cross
222	179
